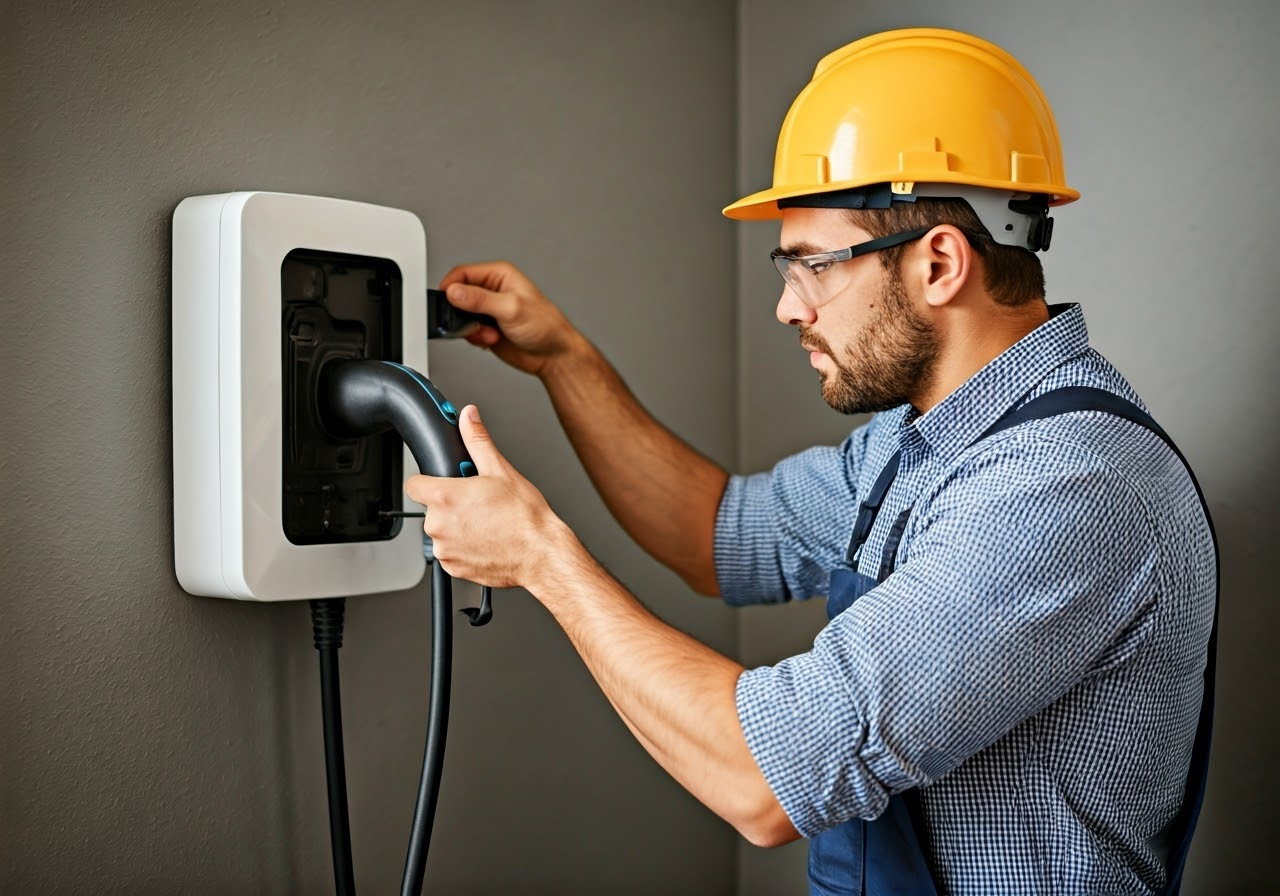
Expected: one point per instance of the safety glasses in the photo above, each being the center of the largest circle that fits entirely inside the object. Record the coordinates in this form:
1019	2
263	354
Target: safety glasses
817	279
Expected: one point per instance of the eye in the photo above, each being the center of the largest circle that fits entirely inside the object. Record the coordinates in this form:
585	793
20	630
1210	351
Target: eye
817	267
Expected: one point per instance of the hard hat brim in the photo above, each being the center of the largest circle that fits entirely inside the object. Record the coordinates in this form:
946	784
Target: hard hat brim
763	206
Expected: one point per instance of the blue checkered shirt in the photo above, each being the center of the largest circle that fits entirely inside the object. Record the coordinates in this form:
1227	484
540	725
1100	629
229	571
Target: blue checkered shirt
1035	663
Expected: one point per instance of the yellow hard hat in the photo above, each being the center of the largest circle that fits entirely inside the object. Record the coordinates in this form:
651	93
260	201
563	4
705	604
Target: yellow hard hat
917	108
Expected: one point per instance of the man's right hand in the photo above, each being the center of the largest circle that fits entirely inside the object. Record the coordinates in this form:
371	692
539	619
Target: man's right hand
532	333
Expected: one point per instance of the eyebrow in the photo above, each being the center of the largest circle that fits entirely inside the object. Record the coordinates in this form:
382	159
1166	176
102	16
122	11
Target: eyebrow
797	249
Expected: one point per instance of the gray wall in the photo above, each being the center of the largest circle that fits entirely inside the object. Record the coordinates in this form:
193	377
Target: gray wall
156	742
1168	112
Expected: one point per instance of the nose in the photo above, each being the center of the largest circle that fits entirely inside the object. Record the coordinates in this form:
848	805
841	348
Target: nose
791	311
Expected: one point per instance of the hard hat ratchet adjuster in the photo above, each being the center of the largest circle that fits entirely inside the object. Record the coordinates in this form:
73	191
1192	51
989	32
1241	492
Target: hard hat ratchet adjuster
1040	233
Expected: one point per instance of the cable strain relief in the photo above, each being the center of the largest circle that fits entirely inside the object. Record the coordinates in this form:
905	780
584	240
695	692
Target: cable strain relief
326	621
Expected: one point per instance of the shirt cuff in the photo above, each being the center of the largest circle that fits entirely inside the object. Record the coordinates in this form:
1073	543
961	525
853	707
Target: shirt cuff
746	548
806	739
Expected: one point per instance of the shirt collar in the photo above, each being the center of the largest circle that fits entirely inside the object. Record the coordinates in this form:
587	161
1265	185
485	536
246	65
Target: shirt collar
958	420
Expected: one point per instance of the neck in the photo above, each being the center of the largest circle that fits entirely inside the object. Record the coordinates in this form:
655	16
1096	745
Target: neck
970	340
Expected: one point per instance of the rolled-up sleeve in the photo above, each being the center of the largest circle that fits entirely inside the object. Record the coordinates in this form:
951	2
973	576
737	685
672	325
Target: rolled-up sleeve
950	652
778	534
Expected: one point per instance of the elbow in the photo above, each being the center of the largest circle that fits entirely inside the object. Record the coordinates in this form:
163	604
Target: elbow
754	810
768	826
770	836
698	567
703	585
701	578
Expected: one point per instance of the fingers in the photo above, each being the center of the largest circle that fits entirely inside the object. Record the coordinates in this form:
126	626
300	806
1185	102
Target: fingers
492	275
529	328
502	306
484	337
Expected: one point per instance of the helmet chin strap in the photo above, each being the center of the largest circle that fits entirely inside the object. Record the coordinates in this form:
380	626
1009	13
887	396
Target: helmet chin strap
1012	219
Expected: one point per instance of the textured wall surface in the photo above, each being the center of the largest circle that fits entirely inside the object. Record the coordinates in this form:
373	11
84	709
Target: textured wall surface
153	742
1168	116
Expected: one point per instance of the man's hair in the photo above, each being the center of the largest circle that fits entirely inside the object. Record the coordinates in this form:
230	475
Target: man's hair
1013	275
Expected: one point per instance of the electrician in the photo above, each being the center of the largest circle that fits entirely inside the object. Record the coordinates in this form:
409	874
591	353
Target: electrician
1013	692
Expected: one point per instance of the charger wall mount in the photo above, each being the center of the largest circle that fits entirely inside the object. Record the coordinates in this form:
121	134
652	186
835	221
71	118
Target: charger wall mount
267	288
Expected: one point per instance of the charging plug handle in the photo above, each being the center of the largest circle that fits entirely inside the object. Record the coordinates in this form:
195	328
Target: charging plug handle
360	397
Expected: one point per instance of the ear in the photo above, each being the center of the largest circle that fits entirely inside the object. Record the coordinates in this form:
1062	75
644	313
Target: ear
942	264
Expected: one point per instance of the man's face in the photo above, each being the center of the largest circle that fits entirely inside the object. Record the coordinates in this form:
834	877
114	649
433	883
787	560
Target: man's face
871	347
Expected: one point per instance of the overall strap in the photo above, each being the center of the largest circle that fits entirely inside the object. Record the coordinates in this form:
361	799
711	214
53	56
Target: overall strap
1082	398
869	507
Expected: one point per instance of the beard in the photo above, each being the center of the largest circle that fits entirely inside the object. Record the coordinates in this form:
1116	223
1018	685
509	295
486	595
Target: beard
890	360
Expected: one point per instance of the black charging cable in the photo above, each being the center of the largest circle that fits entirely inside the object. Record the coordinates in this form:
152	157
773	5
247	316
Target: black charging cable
358	398
424	810
326	629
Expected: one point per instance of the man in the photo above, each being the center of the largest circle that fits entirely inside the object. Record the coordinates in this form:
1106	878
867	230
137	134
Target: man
1021	589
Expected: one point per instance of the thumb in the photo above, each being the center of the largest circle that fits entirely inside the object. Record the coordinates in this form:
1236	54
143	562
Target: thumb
484	453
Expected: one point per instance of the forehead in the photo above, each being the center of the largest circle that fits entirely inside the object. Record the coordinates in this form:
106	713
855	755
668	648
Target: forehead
818	229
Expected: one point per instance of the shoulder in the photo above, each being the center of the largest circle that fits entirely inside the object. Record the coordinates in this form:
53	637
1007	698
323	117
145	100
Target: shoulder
1078	462
1030	519
1091	456
1078	482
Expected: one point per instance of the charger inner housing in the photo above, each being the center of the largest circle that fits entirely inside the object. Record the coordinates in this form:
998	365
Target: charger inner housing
336	307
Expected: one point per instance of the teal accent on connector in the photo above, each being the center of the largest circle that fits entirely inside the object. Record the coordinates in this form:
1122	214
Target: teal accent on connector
446	407
467	468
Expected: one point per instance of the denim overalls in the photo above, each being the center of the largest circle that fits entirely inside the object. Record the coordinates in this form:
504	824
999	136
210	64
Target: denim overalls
888	855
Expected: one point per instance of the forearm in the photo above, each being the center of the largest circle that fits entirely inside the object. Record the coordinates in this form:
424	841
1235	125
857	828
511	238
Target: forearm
675	694
663	492
678	696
